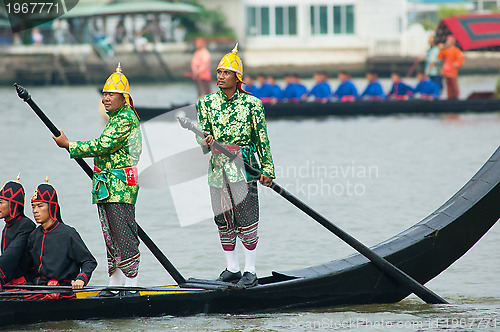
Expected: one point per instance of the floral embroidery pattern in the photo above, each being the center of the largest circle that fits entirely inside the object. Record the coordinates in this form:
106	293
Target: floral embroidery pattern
119	146
238	121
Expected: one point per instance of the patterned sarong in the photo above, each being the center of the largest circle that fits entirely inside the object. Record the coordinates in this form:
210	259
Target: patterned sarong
236	213
120	235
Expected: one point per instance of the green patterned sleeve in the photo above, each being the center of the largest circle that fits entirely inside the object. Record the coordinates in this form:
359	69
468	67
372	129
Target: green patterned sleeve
261	140
203	120
114	137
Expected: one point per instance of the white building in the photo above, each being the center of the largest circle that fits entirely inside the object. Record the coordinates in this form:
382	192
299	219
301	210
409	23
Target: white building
317	32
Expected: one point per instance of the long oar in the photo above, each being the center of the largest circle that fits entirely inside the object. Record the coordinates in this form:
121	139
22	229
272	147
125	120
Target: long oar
176	275
13	294
132	289
412	68
421	291
54	289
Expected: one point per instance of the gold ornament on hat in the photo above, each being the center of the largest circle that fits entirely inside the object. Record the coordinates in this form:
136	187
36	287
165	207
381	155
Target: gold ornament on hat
16	180
35	194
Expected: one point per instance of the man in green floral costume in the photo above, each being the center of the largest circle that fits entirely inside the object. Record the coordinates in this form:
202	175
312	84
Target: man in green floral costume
234	118
114	184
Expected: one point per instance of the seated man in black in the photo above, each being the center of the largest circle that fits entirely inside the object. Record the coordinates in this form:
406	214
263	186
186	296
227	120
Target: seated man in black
58	254
13	257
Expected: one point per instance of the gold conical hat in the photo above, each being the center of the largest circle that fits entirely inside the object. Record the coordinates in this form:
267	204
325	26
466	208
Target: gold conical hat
118	82
232	62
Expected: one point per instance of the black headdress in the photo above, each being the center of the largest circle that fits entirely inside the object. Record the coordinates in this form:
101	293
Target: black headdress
13	192
47	194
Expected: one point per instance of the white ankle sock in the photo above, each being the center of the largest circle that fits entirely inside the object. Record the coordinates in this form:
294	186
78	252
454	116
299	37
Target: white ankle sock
116	279
250	256
232	261
131	282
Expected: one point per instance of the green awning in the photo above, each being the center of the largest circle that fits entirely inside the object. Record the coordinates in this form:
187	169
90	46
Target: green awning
126	7
4	20
4	23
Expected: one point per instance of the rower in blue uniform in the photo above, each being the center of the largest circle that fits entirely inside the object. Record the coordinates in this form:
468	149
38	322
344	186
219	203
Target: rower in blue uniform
250	87
373	90
399	90
266	90
291	91
322	90
427	88
346	91
301	88
275	88
294	91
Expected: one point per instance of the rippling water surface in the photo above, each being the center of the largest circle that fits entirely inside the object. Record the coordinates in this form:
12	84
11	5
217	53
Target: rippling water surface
373	177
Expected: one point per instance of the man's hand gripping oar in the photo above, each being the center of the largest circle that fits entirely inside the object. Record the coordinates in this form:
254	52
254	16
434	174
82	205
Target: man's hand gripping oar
208	141
421	291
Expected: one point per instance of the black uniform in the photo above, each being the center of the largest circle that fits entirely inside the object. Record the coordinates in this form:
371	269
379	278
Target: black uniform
59	253
14	259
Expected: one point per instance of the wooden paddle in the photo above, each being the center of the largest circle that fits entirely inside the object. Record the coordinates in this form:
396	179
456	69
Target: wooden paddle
148	291
176	275
412	68
57	289
421	291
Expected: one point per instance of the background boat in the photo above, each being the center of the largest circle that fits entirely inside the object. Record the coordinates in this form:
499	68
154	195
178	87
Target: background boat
356	108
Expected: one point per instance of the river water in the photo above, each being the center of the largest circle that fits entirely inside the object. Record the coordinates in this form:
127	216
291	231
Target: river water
384	175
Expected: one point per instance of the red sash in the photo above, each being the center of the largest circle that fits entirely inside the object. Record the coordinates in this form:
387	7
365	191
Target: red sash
348	98
131	173
231	148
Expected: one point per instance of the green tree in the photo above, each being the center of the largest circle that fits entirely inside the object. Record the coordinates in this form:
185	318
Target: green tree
445	11
206	23
428	25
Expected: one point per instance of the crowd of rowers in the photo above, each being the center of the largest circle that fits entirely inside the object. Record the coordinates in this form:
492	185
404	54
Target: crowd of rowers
52	254
270	92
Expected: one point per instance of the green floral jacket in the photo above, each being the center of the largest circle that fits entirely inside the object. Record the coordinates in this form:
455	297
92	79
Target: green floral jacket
118	147
237	121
